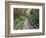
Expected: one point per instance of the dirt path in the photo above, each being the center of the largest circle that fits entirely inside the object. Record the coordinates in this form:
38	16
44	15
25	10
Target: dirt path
27	25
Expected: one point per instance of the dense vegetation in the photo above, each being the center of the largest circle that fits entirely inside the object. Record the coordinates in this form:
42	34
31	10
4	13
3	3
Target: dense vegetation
33	19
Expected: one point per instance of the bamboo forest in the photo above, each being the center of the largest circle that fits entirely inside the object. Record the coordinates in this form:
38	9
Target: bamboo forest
26	18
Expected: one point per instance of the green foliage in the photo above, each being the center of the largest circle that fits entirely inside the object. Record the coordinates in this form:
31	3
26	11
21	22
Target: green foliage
18	21
32	18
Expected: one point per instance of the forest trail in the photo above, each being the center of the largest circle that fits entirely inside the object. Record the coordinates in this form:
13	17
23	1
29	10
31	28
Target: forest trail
27	25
